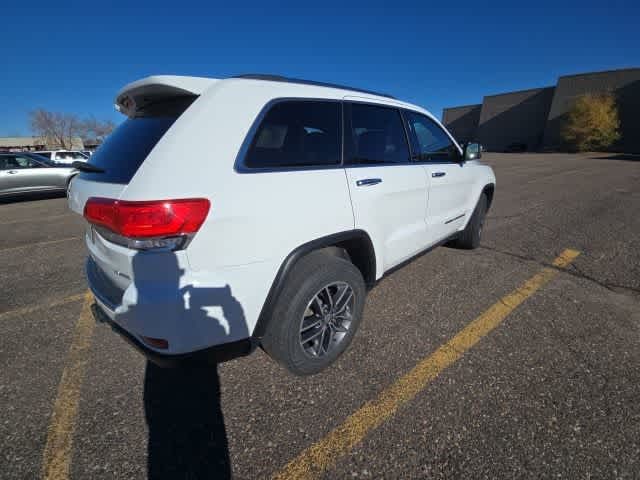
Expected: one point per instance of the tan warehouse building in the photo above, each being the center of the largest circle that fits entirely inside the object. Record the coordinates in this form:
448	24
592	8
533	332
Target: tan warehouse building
17	144
533	119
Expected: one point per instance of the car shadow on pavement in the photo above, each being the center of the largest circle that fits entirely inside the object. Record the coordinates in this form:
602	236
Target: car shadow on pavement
187	436
630	157
27	197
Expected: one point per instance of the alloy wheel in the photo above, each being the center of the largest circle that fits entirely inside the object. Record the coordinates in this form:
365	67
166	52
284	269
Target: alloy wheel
327	319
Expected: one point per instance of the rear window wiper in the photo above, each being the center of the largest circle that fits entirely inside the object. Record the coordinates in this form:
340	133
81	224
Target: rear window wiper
86	167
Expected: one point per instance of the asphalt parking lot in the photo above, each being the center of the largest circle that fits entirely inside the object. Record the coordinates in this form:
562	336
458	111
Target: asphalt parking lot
545	383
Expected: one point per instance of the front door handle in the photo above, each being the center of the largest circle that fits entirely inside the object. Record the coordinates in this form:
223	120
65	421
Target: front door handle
438	174
11	172
365	182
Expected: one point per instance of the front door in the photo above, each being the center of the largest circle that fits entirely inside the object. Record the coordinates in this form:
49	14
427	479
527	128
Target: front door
450	180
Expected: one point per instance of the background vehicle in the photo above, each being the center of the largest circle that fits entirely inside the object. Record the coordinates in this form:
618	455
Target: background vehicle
24	172
66	157
307	194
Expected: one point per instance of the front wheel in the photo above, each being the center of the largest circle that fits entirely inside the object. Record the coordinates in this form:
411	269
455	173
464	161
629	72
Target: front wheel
317	313
470	237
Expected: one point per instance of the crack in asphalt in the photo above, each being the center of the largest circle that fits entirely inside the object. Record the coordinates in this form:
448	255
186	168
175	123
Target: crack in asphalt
574	271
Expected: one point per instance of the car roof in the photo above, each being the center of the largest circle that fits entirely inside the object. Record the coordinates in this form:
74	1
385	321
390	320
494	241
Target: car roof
300	81
146	88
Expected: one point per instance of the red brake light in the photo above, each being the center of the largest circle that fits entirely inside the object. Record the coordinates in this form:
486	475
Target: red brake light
156	218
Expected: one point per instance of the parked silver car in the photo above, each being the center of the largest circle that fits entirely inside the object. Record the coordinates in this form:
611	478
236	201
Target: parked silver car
22	172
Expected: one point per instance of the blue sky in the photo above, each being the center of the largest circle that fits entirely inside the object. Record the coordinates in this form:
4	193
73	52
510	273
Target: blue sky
74	56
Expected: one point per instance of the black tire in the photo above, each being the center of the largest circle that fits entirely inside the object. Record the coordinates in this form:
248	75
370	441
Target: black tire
470	237
309	276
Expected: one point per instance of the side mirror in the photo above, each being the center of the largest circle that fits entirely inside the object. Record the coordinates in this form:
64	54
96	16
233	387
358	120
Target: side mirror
472	151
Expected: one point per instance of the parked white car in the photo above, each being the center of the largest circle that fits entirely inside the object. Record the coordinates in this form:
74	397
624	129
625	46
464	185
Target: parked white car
66	157
227	214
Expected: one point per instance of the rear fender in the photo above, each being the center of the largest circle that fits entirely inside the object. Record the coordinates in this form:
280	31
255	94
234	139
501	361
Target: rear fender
363	257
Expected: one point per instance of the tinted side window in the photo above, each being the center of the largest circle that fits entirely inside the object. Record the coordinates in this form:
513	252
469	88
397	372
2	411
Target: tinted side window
13	162
7	162
428	140
296	134
375	135
69	156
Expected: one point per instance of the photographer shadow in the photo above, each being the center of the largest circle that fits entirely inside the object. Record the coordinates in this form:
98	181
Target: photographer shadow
187	435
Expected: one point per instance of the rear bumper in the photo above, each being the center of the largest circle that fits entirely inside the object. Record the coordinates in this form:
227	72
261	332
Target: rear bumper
207	356
193	312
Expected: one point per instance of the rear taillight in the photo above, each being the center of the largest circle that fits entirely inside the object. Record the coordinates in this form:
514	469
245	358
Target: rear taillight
148	224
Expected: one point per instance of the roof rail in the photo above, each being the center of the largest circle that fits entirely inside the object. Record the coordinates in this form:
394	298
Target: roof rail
280	78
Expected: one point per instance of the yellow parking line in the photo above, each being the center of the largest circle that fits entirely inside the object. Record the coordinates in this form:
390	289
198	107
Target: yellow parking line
57	452
47	242
35	308
320	456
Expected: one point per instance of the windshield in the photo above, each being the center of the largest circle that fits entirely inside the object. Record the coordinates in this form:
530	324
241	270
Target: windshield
127	147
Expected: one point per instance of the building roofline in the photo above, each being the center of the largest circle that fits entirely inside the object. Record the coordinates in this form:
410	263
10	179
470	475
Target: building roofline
586	74
463	106
519	91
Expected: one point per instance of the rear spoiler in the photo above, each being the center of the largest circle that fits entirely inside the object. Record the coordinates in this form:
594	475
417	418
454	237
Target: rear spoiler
135	95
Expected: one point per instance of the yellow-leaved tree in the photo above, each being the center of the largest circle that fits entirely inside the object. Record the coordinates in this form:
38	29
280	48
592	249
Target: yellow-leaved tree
592	123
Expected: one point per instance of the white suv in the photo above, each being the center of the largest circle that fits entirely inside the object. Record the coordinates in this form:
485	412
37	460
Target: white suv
65	157
257	211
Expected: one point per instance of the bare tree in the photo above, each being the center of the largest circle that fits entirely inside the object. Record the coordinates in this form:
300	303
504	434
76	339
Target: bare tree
93	130
55	127
62	128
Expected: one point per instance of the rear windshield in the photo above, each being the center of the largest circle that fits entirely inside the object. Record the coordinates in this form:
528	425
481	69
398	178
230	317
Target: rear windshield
126	148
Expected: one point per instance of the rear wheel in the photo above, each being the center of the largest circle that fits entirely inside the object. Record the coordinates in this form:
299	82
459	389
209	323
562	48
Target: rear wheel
471	235
317	313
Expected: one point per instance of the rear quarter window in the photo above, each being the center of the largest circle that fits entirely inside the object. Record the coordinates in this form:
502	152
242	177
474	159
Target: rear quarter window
122	153
297	133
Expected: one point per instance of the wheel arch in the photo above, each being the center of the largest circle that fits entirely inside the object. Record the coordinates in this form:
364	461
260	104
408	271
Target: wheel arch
356	243
488	189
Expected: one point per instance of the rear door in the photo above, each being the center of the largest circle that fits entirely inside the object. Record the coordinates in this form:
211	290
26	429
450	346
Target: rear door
388	190
450	181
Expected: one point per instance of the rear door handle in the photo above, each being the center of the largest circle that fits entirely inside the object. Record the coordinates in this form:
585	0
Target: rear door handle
365	182
11	172
438	174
